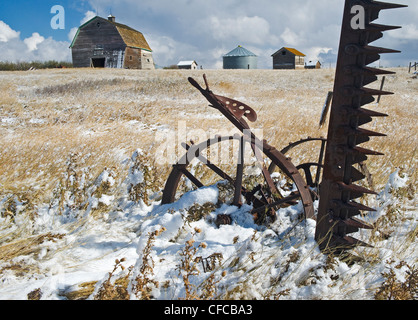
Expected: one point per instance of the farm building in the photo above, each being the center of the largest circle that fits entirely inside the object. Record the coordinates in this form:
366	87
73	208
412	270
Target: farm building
313	65
188	65
288	58
104	43
240	58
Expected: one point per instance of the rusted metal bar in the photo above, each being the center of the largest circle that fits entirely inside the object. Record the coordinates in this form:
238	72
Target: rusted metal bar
381	88
337	189
240	171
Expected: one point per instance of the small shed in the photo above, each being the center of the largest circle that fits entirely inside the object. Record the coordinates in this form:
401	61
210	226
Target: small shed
240	58
313	65
104	43
188	65
288	58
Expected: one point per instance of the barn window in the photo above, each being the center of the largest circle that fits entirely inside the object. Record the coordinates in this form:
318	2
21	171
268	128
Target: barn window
98	24
283	53
130	58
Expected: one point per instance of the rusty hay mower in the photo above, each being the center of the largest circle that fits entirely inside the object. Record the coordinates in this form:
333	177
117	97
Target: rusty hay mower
332	179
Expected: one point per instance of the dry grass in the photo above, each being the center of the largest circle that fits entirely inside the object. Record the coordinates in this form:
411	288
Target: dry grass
103	116
47	115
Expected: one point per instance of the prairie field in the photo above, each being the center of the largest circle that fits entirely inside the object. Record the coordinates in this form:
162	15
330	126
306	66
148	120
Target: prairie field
73	142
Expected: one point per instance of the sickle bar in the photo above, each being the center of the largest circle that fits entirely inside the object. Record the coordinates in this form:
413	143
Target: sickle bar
337	210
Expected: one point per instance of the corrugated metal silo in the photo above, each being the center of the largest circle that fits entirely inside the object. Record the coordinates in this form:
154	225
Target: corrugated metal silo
240	58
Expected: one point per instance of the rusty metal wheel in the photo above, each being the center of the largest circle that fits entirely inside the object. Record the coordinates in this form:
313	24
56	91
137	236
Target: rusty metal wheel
312	171
260	190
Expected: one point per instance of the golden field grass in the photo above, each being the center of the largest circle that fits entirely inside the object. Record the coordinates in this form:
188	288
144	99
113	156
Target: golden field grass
105	115
58	125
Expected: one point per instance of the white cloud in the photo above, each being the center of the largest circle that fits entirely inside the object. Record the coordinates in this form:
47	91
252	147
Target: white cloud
315	53
33	41
87	16
7	33
290	38
34	48
210	27
408	32
244	29
72	33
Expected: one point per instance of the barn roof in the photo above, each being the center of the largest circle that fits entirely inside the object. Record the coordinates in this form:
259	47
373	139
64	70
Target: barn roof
240	52
292	50
131	37
312	63
186	63
295	52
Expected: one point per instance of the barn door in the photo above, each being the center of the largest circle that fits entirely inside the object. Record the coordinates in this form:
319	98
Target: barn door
98	62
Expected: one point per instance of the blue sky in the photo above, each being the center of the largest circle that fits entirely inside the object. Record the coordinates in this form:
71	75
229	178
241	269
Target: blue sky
201	30
28	16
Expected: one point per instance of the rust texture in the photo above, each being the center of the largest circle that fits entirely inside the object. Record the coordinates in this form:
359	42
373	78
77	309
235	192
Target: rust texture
337	207
336	176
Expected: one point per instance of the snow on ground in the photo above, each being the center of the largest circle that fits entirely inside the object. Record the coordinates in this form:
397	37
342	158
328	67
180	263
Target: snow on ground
281	260
68	244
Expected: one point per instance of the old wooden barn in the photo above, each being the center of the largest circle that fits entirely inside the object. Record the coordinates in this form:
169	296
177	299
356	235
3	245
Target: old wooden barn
187	65
104	43
288	58
313	65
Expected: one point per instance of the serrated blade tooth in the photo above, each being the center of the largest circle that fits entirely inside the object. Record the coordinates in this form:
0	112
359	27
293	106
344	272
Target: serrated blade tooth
387	5
354	206
369	78
353	91
367	151
378	71
358	157
345	242
356	175
366	132
352	225
364	119
359	223
371	113
375	92
355	242
355	49
366	99
376	31
355	70
381	27
354	188
376	7
370	58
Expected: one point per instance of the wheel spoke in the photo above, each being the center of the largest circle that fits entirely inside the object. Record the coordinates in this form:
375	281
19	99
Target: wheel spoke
277	203
192	178
240	171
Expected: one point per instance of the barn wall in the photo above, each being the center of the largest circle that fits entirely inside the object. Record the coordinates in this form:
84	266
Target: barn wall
147	61
299	62
286	61
98	39
132	58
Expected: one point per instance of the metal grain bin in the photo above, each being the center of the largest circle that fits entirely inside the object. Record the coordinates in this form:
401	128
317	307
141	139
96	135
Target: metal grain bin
240	58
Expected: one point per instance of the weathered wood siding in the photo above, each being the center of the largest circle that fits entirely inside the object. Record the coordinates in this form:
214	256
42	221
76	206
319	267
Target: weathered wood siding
299	62
284	60
147	61
98	39
132	58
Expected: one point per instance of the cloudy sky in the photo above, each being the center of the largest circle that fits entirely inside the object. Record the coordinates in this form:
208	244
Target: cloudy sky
201	30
